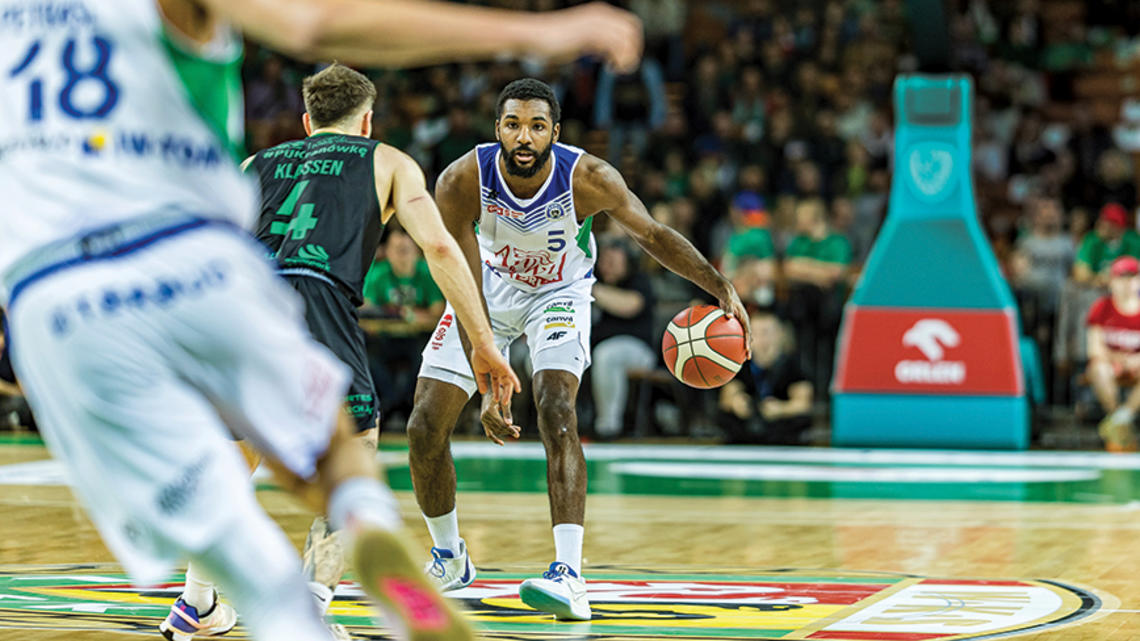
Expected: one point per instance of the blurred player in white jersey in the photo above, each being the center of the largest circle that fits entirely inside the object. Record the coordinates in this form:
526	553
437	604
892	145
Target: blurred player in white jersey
144	324
533	200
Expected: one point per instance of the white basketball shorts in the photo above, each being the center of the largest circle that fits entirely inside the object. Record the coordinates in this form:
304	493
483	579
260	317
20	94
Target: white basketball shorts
141	348
556	324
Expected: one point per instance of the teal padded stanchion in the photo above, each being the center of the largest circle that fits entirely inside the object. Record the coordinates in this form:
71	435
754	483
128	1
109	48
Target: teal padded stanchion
929	353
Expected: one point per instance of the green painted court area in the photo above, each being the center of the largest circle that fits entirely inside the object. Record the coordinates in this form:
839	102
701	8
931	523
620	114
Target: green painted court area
786	472
1072	477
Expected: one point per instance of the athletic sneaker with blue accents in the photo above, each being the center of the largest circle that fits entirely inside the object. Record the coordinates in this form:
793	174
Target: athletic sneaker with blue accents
450	571
184	623
560	592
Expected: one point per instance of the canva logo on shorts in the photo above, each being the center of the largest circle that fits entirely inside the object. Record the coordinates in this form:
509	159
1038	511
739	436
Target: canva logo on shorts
160	293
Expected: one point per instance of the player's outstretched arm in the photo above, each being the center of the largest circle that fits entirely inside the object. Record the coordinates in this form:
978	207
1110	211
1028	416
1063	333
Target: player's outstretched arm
419	216
422	32
599	187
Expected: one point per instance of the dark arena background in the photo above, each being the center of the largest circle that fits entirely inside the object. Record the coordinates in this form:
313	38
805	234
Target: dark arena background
922	204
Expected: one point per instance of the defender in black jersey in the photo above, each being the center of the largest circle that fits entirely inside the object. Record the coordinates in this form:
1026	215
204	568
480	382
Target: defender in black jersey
325	200
321	221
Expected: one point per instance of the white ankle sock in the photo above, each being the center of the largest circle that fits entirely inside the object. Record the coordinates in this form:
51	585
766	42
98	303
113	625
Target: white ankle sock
568	545
444	530
360	502
1123	415
322	594
198	593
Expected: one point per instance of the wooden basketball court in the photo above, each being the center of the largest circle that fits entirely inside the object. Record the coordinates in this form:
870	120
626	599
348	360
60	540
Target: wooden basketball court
692	543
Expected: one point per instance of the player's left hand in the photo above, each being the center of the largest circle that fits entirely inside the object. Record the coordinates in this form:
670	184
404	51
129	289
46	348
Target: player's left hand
731	305
497	420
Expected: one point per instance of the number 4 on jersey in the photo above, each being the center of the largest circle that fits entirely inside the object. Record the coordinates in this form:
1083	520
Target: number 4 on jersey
301	224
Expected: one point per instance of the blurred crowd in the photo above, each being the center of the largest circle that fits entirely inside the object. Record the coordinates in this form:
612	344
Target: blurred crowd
762	131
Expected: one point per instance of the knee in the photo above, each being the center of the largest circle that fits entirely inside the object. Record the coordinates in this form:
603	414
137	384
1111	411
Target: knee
425	434
557	414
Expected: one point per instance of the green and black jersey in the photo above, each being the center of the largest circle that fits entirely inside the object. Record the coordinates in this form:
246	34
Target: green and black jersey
319	209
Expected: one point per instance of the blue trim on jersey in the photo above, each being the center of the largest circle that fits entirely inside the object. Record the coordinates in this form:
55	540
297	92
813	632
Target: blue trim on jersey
556	190
120	251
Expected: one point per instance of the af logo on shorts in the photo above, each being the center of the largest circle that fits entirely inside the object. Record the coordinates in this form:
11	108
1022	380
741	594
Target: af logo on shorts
798	604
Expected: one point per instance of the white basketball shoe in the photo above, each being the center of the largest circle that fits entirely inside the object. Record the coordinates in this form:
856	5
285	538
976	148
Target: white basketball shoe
560	592
449	570
184	622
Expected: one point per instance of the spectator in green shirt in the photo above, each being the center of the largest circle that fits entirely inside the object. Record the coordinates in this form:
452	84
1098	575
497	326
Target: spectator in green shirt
749	254
1108	240
401	285
815	264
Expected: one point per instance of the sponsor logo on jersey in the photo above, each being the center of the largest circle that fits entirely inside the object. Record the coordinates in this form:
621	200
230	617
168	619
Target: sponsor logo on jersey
555	211
555	336
311	254
780	604
531	268
500	210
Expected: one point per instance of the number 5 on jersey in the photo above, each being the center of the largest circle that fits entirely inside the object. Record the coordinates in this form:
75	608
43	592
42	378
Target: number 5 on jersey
304	221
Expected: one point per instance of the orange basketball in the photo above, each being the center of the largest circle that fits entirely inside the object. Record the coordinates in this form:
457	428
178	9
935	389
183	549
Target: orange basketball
703	347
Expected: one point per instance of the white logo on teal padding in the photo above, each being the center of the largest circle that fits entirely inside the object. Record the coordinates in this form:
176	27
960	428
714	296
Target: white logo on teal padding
931	168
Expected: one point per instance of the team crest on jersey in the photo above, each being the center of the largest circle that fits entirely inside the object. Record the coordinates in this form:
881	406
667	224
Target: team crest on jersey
628	602
555	211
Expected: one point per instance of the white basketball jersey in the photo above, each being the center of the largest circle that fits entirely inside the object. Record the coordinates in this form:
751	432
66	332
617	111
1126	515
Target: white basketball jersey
105	114
535	244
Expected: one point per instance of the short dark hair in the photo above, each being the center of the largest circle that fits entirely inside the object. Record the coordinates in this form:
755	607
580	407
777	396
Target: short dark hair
530	89
336	92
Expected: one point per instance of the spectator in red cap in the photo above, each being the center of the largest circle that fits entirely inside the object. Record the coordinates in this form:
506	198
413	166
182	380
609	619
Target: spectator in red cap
1114	353
1109	239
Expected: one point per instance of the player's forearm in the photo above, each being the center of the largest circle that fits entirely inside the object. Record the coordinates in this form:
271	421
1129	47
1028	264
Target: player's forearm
678	255
453	276
388	33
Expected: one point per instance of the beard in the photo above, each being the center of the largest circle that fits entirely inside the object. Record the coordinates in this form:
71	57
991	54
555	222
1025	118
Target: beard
515	169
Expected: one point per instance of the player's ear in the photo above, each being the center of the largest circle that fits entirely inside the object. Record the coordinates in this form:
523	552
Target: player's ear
366	125
308	123
497	130
557	130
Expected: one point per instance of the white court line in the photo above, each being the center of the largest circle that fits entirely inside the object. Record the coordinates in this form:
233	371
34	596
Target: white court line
852	474
755	454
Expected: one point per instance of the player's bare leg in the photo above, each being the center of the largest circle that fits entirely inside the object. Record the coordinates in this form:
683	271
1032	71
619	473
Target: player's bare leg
347	488
561	590
435	411
324	554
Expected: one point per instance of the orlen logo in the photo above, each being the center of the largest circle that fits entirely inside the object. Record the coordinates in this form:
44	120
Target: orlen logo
441	331
931	336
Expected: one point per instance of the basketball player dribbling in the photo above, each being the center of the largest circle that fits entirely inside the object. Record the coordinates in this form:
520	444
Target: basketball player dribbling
144	324
533	199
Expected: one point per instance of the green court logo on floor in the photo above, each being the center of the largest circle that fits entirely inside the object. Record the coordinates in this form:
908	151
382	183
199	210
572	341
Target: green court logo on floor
786	604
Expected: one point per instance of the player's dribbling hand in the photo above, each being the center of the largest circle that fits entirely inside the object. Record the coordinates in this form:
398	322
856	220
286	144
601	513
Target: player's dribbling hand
732	306
493	374
498	423
596	28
